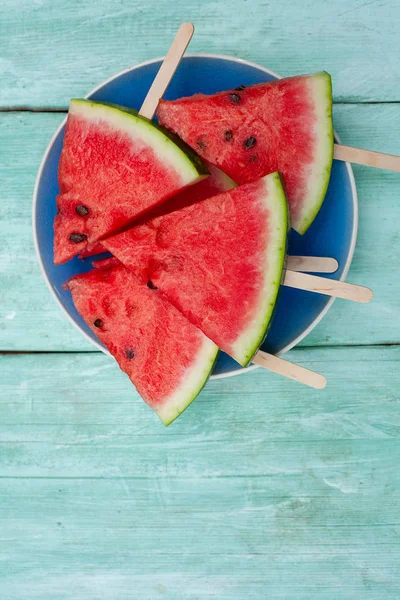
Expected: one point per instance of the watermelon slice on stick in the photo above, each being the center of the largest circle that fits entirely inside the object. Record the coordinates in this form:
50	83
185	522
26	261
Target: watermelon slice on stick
108	158
283	125
166	357
221	263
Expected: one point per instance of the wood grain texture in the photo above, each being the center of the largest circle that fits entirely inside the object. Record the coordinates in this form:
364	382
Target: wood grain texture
52	51
68	391
359	156
31	320
323	285
283	367
263	489
167	70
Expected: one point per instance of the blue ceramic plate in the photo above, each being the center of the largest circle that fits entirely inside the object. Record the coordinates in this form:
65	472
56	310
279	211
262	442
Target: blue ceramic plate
333	232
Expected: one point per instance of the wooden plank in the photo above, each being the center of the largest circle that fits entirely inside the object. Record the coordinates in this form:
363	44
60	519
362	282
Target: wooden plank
262	489
53	51
31	320
81	396
28	313
90	539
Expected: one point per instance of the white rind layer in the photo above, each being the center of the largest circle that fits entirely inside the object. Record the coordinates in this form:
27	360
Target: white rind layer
191	385
140	131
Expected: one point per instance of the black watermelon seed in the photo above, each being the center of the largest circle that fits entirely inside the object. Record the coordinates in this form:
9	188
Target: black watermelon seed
82	210
129	353
250	142
98	323
228	135
235	98
76	238
240	88
201	144
151	285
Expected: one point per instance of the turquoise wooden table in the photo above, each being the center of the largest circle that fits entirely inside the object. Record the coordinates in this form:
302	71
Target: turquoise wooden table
265	489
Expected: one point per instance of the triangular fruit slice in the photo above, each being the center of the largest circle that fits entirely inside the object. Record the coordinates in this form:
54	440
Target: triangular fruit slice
114	165
219	261
215	183
165	356
284	125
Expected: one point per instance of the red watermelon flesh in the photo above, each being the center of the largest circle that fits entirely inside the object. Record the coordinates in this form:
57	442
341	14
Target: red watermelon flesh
216	182
114	165
284	125
167	359
97	248
219	261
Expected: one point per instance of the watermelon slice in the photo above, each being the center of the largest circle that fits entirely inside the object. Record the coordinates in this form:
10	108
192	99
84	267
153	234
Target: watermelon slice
219	261
216	182
108	159
284	126
165	356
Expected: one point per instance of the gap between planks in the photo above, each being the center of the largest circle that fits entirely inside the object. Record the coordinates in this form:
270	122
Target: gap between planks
297	348
64	109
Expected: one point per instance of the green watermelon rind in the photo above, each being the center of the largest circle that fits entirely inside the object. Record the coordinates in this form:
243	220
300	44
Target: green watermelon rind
178	155
195	158
191	386
246	346
321	84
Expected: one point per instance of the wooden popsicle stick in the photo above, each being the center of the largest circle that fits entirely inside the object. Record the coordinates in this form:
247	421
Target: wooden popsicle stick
328	287
313	264
369	158
288	369
167	70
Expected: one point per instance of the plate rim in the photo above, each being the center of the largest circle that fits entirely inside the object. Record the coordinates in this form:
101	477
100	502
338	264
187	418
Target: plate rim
225	57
